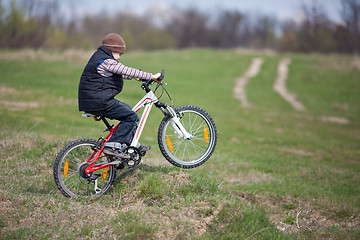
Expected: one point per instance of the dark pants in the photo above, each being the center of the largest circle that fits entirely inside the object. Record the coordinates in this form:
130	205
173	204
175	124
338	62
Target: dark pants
128	121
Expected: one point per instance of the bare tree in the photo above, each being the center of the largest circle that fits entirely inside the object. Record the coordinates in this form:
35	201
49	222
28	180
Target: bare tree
351	16
26	23
189	29
288	41
343	39
40	23
315	33
230	30
263	33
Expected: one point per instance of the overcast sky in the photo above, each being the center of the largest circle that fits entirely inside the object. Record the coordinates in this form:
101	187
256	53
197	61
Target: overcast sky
282	9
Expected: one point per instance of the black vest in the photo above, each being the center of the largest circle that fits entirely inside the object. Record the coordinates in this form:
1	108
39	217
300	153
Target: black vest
96	92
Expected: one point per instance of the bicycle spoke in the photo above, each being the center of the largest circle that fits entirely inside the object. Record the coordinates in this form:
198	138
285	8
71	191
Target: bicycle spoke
197	148
181	147
195	123
187	150
72	184
183	153
199	138
69	176
87	189
177	147
77	187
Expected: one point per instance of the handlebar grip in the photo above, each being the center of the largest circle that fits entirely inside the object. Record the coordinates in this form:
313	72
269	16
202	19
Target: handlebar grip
162	75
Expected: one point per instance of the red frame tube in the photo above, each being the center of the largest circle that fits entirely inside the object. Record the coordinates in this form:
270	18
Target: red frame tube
91	168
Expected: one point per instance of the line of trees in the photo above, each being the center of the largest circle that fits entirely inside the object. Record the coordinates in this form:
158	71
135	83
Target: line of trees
38	24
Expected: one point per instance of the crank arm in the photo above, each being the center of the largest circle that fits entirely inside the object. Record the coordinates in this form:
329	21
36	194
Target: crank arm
107	163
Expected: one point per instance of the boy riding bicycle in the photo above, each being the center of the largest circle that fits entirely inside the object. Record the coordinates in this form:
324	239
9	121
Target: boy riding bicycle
100	82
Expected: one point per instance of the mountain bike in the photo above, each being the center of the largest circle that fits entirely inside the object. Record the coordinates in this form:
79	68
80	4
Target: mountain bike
187	138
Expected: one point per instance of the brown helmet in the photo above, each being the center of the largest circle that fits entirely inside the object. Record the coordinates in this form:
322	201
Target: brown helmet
114	43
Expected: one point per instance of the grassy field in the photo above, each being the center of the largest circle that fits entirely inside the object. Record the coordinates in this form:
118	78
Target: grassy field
276	173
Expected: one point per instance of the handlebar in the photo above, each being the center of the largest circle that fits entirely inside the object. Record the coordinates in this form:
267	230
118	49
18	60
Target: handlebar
146	83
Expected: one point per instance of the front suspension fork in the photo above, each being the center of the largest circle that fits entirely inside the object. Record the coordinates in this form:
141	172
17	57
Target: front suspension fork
175	122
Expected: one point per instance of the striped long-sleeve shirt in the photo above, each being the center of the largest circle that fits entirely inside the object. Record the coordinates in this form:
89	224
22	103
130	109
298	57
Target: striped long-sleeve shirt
108	67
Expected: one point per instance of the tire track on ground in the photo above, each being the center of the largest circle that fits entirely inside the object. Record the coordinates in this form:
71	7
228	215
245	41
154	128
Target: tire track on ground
280	85
240	83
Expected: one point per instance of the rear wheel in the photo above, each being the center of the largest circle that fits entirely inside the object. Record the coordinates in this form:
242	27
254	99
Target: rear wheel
188	153
69	171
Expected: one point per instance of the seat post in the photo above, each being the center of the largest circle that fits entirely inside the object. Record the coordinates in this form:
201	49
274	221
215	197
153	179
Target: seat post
106	123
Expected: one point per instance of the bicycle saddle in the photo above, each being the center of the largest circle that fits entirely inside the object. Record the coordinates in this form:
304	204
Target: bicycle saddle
85	114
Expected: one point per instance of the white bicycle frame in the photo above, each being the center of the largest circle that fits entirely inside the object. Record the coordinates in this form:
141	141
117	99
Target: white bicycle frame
147	101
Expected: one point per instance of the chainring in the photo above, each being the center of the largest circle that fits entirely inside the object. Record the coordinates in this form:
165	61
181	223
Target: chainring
135	157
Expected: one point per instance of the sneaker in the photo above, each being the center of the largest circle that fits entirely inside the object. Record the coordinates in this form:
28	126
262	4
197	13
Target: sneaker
115	145
116	152
144	148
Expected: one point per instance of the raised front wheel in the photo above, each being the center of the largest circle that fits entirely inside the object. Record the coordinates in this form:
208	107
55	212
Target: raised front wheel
193	151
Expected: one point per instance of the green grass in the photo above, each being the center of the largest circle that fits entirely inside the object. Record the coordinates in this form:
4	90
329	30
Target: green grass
271	161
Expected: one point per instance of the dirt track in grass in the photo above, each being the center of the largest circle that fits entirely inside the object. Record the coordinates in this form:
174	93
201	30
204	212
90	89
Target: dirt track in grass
240	83
280	85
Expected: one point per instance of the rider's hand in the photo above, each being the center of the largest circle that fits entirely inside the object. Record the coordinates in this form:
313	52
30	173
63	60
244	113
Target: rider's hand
155	77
